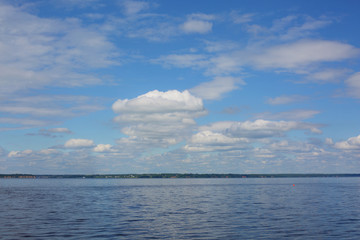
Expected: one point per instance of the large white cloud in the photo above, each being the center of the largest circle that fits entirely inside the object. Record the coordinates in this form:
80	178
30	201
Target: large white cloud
159	117
160	102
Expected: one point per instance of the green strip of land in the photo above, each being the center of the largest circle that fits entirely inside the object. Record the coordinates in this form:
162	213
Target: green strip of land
181	175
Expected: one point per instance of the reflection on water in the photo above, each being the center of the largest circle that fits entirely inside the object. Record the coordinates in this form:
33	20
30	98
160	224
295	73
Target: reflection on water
315	208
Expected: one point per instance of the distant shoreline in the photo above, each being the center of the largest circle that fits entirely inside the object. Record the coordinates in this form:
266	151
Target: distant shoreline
177	175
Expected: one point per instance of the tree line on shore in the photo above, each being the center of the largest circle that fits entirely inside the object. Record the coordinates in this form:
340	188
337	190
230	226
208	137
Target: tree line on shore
180	175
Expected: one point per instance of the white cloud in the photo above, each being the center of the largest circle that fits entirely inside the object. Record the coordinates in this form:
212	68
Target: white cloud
20	153
208	137
216	88
303	53
159	117
198	23
49	151
103	148
41	110
353	85
300	57
327	76
79	143
286	99
225	64
220	64
287	28
329	141
134	7
352	143
19	123
32	110
285	146
259	128
208	141
38	52
196	26
159	102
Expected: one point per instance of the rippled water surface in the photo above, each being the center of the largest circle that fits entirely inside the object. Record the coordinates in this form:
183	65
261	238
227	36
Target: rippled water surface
315	208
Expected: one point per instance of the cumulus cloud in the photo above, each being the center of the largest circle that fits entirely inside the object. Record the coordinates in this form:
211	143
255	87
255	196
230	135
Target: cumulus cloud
352	143
303	53
198	23
162	117
216	88
79	143
159	102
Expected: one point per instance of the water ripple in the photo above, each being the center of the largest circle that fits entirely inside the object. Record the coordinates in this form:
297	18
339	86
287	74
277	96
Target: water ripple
180	209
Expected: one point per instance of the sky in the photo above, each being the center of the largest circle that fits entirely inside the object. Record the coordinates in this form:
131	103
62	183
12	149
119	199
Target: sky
121	86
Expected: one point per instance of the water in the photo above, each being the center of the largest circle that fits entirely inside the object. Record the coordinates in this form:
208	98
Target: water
315	208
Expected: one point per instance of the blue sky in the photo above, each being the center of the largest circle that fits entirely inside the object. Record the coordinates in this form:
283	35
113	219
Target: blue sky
179	86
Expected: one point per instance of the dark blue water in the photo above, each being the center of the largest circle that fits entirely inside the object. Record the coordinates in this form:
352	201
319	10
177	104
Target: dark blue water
315	208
